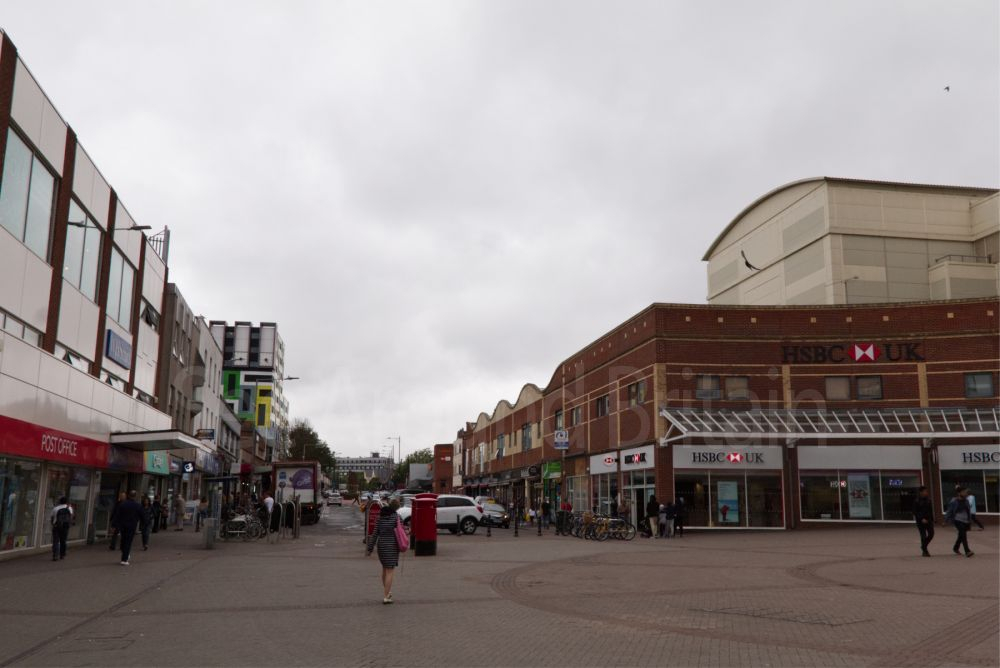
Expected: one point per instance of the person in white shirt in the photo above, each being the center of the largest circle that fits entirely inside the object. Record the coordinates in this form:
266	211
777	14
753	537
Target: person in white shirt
972	508
62	519
268	502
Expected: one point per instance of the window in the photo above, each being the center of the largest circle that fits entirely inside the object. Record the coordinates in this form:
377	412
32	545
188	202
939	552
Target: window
560	421
26	196
150	316
526	436
738	388
230	383
246	402
637	393
120	283
500	445
838	388
978	385
601	405
261	414
576	415
707	387
869	387
83	250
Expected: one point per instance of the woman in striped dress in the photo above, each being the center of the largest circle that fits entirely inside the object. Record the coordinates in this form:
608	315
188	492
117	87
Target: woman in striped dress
388	551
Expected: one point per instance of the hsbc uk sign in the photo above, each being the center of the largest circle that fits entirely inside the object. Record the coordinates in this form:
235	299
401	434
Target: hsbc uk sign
859	353
715	457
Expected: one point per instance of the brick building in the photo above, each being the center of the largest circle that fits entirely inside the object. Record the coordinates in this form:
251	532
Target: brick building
442	468
759	416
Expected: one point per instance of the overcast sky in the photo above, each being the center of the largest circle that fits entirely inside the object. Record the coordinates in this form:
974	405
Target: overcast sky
440	201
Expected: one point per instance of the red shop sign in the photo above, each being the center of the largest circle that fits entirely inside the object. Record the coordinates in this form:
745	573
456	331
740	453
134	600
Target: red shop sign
25	439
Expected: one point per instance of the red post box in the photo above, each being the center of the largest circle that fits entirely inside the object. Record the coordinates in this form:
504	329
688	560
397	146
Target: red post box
371	517
423	525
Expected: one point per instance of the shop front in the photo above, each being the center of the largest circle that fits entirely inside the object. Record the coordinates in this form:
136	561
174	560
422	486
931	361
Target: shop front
858	483
976	467
603	484
730	487
156	466
638	480
38	466
552	484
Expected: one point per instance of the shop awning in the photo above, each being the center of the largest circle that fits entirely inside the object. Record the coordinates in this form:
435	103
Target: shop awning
170	439
934	423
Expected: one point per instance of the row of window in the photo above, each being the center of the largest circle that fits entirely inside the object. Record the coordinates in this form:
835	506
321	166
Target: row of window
12	325
27	202
837	388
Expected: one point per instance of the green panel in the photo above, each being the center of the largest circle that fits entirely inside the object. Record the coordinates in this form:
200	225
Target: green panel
235	376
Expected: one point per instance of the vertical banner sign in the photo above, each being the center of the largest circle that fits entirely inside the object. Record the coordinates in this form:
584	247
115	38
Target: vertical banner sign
727	501
859	497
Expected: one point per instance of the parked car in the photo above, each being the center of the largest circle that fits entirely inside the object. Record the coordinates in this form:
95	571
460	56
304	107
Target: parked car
495	515
454	513
334	499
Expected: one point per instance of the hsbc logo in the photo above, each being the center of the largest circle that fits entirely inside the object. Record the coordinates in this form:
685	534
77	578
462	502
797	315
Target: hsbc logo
727	457
638	458
862	352
609	461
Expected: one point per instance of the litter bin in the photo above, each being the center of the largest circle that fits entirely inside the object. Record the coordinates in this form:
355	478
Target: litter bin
423	525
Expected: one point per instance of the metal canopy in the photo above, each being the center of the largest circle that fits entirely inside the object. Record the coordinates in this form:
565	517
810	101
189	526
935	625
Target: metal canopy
833	424
169	439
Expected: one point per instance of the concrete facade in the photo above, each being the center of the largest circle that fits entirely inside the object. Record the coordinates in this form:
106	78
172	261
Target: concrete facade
844	241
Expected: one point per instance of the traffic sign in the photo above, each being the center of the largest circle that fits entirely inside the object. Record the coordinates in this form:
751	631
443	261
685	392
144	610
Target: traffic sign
188	467
562	439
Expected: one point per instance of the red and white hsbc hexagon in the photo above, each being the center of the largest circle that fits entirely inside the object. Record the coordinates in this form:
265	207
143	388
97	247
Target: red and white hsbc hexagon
865	352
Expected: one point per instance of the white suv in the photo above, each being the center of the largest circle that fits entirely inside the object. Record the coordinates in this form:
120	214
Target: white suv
454	513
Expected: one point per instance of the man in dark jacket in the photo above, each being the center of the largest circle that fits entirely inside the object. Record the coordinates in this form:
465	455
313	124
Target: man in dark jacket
653	515
130	519
156	511
923	513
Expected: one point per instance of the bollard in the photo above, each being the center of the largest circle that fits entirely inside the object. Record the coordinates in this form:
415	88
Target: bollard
91	534
458	523
539	519
517	521
209	529
489	525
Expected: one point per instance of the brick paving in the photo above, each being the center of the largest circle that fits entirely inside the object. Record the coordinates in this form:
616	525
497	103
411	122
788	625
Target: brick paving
837	597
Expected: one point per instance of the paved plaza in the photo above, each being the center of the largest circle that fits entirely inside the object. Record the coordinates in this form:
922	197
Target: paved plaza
837	597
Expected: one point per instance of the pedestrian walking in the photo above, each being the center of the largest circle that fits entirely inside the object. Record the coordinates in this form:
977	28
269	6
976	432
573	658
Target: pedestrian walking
179	508
960	514
680	517
130	519
923	514
62	519
155	511
147	521
546	514
653	515
972	511
113	522
661	523
164	515
202	513
384	536
671	514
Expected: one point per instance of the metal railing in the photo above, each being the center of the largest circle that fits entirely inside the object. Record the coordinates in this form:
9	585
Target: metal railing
978	259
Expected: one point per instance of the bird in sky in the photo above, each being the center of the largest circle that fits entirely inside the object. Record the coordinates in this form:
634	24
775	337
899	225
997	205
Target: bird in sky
747	262
947	88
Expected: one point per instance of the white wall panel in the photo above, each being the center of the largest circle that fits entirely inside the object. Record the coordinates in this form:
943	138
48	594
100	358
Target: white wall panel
53	375
128	242
103	398
26	107
50	410
52	141
153	279
17	398
68	330
121	406
91	188
34	308
145	359
100	423
13	255
81	387
859	457
20	360
90	314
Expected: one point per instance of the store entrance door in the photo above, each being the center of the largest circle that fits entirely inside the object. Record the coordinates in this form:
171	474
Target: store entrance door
111	485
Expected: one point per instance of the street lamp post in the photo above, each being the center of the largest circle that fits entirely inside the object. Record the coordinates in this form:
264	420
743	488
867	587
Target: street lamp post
399	447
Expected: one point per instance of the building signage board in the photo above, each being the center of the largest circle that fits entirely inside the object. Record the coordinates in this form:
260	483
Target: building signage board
637	458
959	457
561	439
123	459
604	463
859	352
25	439
762	457
118	350
551	470
156	462
884	457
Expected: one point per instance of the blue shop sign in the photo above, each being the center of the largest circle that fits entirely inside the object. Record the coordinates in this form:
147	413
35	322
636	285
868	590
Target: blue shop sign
118	350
